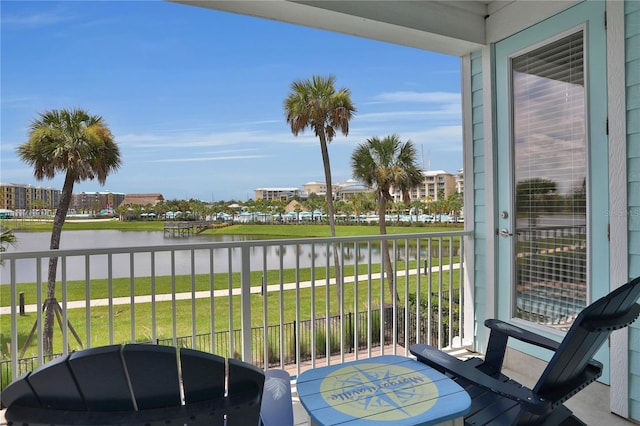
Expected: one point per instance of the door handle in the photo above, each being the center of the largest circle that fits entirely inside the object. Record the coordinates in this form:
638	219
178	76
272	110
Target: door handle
504	232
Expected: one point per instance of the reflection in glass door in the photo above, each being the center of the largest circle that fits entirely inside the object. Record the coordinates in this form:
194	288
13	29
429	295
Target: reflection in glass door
550	180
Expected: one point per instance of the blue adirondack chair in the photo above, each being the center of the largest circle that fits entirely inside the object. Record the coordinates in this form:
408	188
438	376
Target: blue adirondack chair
142	384
498	400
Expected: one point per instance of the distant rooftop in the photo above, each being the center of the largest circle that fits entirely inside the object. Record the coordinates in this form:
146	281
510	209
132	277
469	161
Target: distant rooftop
435	172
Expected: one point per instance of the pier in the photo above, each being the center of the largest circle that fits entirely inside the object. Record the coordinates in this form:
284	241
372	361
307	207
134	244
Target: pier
185	229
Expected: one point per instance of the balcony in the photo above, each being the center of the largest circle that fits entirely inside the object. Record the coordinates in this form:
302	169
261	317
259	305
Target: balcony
274	303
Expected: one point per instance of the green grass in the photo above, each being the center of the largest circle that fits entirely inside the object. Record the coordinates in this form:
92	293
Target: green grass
99	288
122	314
85	225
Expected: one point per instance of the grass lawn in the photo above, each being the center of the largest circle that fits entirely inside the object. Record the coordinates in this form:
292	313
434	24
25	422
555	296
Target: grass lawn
224	315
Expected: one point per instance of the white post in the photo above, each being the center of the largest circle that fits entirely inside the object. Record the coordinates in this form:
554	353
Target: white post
245	303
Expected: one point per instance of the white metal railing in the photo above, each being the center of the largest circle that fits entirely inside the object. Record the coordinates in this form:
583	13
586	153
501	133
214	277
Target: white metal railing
270	302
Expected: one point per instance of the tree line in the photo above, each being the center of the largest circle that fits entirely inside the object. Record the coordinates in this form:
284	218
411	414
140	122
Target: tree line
357	204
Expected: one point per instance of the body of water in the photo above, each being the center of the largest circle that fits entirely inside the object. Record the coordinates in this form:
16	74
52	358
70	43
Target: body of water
224	259
34	241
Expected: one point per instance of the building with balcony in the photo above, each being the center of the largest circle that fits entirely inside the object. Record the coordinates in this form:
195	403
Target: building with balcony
318	188
27	197
277	194
460	181
341	191
96	201
437	184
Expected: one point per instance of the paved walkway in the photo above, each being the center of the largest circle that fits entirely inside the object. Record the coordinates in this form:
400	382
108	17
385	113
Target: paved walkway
6	310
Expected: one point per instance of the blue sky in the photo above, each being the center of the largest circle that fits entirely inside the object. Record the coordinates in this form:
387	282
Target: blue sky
194	97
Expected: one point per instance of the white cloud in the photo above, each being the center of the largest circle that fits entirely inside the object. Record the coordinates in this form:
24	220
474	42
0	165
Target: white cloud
419	97
190	139
446	138
449	113
218	158
34	20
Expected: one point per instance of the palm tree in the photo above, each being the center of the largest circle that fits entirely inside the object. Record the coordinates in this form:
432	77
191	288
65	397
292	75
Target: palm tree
316	104
363	203
81	146
6	237
416	207
314	203
382	164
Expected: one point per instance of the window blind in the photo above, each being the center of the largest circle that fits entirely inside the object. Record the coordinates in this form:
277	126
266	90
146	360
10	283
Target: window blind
550	170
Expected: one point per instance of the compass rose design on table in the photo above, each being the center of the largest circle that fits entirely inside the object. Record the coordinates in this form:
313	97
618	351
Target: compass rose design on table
379	391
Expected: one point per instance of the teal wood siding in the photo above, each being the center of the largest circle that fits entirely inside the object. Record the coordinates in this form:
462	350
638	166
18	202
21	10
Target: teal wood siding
480	239
632	53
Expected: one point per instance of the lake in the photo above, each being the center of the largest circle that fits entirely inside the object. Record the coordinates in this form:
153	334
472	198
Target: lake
38	241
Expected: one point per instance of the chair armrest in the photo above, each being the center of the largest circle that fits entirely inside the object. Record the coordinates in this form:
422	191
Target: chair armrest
497	344
521	334
277	405
444	362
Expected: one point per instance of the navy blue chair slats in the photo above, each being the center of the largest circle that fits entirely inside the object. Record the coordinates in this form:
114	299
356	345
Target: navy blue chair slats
55	386
20	393
140	384
105	388
245	390
203	375
153	375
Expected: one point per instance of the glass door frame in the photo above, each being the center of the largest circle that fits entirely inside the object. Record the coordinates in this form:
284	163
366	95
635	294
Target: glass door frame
588	16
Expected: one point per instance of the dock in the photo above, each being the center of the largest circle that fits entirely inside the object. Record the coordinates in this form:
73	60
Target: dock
184	228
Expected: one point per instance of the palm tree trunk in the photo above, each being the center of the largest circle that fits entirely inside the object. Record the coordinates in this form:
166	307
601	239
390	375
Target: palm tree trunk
51	302
331	212
385	249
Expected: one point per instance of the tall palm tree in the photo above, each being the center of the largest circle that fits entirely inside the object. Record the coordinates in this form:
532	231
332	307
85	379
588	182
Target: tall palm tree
382	164
81	146
318	105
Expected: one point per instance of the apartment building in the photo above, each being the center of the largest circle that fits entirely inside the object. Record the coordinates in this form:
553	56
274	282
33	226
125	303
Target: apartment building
437	184
27	197
96	201
318	188
460	181
276	194
341	191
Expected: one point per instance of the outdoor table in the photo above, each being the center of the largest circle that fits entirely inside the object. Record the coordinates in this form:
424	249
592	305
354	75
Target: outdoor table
383	390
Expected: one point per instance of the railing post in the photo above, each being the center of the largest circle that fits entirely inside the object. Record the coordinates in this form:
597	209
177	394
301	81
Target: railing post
245	303
351	328
295	342
21	301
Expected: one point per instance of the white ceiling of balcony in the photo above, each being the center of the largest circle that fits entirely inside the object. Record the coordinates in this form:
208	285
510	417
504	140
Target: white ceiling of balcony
453	27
